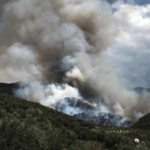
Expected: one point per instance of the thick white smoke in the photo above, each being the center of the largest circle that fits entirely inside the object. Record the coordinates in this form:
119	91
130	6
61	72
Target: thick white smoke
66	41
19	63
49	95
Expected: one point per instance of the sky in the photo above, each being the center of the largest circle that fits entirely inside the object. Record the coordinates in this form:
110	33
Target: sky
131	53
142	2
139	2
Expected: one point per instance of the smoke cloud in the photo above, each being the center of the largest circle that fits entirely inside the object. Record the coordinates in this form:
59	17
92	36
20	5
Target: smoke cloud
67	44
18	63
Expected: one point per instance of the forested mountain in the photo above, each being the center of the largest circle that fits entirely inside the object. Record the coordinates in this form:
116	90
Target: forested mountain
31	126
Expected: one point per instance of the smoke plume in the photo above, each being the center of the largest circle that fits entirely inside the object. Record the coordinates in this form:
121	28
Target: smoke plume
62	43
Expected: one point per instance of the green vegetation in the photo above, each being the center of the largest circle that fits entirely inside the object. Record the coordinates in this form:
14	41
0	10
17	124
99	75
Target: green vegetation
28	125
143	123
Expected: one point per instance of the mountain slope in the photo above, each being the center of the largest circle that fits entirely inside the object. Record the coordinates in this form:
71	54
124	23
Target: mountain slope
84	109
140	90
143	122
8	88
31	126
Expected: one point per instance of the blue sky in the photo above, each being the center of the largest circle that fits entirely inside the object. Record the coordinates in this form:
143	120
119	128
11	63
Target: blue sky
142	2
139	2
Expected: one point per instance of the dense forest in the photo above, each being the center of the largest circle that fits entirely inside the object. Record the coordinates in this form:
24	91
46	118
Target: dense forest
26	125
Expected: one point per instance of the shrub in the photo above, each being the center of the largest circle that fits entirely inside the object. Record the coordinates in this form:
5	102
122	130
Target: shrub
126	147
111	140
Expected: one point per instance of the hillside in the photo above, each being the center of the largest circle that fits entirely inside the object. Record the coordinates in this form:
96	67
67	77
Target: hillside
88	113
141	90
143	122
8	88
31	126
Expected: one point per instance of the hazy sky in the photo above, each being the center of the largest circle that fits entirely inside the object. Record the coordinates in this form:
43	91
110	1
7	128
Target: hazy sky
142	2
131	53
